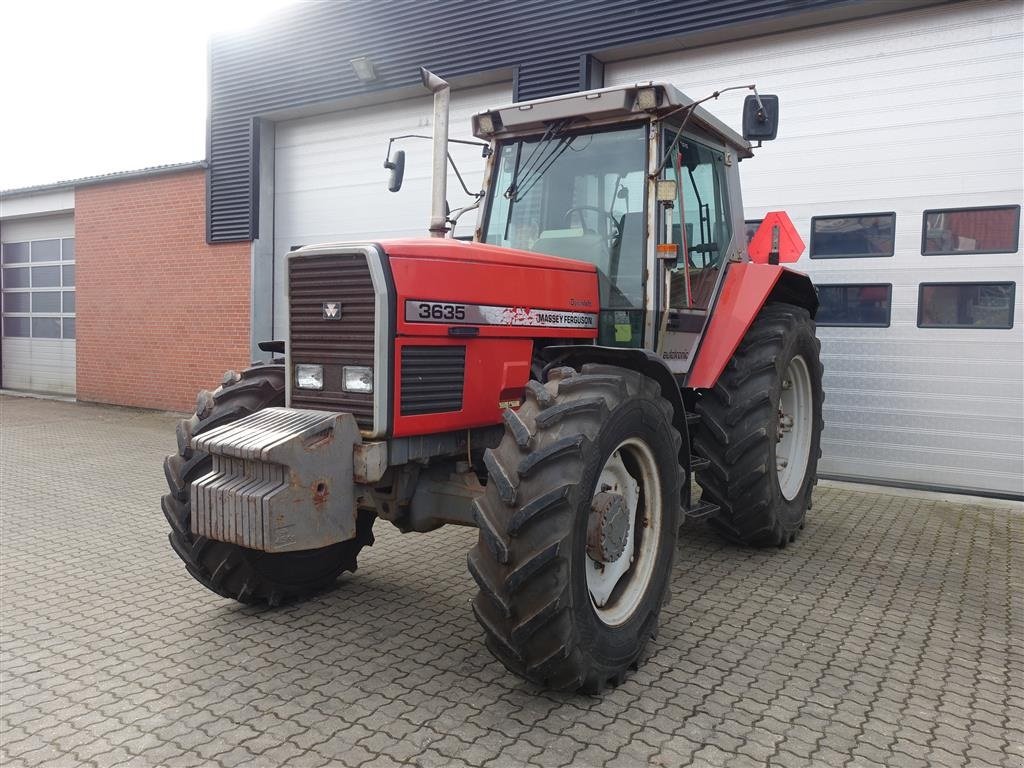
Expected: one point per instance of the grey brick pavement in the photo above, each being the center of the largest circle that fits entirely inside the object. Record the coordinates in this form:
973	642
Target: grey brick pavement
889	634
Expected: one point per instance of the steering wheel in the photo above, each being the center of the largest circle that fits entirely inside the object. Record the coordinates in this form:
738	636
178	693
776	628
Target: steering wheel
613	234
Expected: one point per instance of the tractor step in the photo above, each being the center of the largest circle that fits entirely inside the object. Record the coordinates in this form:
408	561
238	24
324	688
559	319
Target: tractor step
698	463
702	510
692	418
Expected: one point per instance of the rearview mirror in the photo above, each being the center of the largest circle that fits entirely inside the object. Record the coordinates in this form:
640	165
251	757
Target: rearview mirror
396	170
760	118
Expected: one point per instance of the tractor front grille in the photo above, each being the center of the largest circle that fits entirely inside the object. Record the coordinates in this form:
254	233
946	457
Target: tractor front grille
432	379
314	282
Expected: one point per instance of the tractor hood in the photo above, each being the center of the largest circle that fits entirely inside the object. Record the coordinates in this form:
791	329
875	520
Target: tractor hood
458	250
499	291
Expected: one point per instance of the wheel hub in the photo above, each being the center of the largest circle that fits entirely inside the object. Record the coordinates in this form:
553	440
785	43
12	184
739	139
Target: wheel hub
607	528
622	532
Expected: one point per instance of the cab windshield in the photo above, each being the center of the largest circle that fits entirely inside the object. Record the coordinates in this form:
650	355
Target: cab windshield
580	196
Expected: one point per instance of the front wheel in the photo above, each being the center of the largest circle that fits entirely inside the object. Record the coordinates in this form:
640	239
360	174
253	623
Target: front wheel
230	570
760	430
578	528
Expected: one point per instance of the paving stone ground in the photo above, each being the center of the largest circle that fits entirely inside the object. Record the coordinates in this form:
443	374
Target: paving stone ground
890	633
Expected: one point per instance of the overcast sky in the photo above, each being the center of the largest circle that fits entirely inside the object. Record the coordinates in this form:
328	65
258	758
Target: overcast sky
96	86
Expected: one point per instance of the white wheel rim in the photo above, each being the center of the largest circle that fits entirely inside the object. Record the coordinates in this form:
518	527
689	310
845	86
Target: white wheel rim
617	589
793	446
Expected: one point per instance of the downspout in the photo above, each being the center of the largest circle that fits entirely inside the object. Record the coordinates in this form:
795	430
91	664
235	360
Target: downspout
439	192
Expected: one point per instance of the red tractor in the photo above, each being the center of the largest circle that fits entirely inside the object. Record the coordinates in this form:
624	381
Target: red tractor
559	382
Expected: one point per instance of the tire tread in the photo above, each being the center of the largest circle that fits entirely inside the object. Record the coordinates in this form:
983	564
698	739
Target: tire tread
521	560
228	569
733	432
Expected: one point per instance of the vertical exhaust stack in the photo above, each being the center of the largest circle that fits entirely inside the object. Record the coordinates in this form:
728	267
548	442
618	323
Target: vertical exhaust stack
439	190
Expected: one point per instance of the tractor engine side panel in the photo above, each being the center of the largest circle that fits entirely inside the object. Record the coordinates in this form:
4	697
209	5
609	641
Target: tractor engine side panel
447	384
466	328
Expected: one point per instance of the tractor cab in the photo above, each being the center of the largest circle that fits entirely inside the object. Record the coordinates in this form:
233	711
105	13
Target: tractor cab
639	181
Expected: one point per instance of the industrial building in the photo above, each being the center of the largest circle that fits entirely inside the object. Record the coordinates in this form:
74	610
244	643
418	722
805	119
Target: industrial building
900	158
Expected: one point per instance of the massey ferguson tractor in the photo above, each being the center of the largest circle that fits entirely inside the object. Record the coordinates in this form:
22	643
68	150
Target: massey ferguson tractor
607	338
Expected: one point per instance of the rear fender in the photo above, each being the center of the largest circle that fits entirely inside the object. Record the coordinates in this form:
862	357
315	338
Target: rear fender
746	289
795	288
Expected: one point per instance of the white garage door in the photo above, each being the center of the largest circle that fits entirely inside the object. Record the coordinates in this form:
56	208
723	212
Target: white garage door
38	259
330	183
897	116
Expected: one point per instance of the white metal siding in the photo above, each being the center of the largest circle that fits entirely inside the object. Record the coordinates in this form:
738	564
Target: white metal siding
330	183
38	365
900	113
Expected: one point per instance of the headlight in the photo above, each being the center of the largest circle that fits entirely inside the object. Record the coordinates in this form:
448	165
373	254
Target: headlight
309	376
357	378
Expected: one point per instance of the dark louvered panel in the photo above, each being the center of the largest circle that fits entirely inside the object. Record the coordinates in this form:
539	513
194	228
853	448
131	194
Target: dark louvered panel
342	279
432	379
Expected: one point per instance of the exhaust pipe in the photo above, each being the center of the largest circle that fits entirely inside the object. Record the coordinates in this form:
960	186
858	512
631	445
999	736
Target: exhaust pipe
439	191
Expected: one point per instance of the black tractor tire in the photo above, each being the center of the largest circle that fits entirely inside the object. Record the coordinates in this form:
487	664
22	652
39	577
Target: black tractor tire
538	617
232	571
739	427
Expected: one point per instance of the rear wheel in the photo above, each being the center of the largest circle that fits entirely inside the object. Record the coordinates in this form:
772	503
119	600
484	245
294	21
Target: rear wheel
578	528
246	575
761	428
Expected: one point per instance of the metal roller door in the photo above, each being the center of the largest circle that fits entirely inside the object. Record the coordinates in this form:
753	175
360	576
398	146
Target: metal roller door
38	259
894	117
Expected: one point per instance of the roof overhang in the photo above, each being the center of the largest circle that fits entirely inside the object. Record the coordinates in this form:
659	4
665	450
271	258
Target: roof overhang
44	202
85	181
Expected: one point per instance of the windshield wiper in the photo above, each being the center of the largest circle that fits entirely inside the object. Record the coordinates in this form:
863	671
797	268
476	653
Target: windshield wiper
540	158
563	144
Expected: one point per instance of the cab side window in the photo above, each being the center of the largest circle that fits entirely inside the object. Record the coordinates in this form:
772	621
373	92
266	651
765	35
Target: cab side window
706	224
708	227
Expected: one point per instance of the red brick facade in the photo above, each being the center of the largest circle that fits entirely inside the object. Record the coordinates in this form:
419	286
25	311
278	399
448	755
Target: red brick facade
161	314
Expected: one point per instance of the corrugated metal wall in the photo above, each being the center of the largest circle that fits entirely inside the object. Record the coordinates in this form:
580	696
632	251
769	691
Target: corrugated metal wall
904	113
301	57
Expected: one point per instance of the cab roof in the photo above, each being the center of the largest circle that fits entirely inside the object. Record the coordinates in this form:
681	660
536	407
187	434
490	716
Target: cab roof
622	101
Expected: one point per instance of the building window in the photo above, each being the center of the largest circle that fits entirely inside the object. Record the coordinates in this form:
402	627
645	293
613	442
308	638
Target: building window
38	281
16	326
751	225
965	305
45	250
850	236
15	253
860	304
971	230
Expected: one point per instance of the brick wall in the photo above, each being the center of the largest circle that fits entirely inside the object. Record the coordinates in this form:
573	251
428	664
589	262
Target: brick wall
160	314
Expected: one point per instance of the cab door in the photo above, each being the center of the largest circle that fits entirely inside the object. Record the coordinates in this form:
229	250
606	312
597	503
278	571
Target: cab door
700	224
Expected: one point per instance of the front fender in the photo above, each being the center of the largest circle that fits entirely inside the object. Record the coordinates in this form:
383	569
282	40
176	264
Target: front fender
642	360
